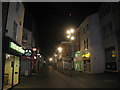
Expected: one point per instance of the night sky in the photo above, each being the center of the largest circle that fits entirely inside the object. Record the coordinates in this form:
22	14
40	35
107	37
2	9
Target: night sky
54	18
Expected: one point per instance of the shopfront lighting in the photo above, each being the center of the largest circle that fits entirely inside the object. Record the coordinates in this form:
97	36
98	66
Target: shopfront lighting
7	56
17	48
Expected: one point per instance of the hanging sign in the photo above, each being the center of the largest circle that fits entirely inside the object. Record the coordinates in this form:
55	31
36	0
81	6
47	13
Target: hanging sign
28	53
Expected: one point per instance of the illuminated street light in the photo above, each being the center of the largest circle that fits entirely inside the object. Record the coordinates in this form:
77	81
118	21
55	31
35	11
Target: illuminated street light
59	49
55	55
72	38
50	59
68	36
72	30
68	31
35	57
34	49
38	54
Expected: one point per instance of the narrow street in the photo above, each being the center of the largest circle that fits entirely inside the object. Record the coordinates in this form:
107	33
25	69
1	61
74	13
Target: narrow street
47	77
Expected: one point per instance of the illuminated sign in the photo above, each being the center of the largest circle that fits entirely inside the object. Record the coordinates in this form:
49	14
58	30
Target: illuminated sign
17	48
28	53
86	55
77	53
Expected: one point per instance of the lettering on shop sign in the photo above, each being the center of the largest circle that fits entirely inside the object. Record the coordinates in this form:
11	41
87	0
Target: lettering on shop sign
17	48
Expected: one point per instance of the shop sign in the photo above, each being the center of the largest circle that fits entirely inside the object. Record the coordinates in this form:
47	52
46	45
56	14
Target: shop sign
28	53
17	48
77	54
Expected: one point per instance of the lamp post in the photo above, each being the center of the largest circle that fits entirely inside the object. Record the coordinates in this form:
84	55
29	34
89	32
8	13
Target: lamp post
70	36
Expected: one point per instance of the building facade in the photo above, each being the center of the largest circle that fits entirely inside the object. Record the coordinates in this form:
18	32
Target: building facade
90	54
64	56
13	49
109	14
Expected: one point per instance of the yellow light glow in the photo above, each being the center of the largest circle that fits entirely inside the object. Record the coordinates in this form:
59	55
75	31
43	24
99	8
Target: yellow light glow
113	55
86	55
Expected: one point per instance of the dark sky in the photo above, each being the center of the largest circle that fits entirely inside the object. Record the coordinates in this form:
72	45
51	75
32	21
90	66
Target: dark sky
53	20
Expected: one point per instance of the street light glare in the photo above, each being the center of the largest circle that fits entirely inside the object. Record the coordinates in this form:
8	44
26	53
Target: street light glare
68	31
68	36
72	30
55	55
72	38
50	59
59	49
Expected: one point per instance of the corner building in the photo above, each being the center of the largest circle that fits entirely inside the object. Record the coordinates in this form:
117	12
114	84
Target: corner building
91	56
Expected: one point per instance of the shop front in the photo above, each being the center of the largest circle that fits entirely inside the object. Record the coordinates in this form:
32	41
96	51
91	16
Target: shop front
78	64
26	63
86	62
13	53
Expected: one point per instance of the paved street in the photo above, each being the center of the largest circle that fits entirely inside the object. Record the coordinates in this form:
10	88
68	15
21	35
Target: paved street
47	77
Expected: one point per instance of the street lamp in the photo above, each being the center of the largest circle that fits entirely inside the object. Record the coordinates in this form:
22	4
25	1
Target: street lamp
60	49
50	59
72	38
34	49
68	31
72	30
55	55
70	34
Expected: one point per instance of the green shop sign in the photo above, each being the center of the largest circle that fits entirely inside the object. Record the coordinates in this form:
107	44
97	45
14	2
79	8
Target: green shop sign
17	48
77	53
